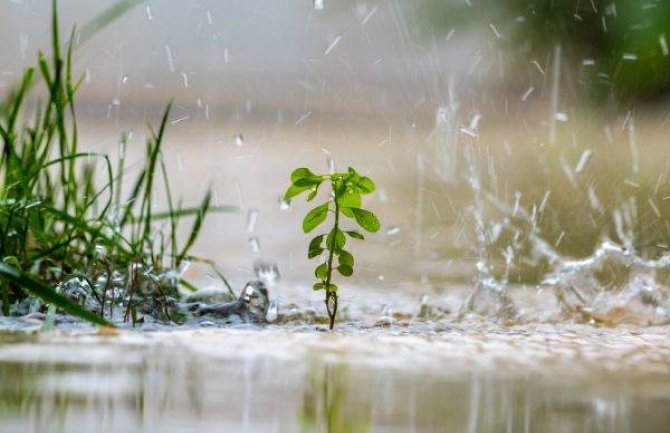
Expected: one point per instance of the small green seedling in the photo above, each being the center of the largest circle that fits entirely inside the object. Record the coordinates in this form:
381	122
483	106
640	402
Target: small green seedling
345	199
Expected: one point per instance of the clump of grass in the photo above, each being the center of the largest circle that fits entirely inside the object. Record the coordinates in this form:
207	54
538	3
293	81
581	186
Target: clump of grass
59	223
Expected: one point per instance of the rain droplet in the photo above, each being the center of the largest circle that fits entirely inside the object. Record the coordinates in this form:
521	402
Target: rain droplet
319	5
583	160
383	196
147	9
329	160
284	204
239	140
255	244
664	44
183	267
170	58
392	231
252	220
23	44
527	93
333	44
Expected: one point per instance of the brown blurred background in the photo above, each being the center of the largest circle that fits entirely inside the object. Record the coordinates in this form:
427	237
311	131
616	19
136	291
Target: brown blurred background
396	89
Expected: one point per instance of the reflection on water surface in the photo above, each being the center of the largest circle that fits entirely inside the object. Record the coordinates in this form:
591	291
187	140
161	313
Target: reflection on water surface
268	381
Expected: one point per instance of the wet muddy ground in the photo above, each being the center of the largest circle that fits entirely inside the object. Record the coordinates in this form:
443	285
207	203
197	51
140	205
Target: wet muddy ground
397	362
469	377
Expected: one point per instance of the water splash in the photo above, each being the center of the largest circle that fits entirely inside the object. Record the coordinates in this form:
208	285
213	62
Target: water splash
615	284
267	272
239	140
489	298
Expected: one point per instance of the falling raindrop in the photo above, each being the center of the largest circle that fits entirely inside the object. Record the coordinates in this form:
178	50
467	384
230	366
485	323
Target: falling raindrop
24	40
252	220
330	161
583	161
255	244
664	44
147	10
527	93
383	195
169	57
319	5
392	231
180	161
332	44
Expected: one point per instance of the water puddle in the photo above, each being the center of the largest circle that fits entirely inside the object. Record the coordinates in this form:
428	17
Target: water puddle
474	378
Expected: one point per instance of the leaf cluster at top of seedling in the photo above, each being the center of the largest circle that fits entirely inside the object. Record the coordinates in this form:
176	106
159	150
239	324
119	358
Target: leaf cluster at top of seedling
345	200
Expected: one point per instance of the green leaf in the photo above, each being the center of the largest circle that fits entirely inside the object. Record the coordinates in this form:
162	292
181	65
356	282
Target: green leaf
315	248
319	286
48	294
348	199
366	219
315	252
331	288
345	258
308	181
315	217
354	234
345	270
300	173
313	193
340	240
365	185
315	243
353	174
295	190
321	271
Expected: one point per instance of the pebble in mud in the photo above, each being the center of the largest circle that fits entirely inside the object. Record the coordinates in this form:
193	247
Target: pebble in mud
251	307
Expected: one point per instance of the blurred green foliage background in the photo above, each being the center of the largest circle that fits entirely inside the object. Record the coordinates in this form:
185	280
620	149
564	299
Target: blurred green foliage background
620	48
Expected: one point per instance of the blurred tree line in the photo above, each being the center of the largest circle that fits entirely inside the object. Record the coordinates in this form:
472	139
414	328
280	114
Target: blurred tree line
620	48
